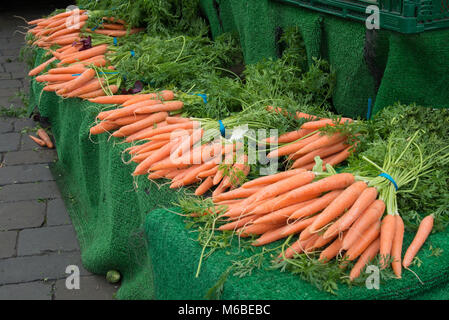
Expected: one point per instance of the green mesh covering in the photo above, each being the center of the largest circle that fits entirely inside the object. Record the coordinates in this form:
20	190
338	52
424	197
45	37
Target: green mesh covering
414	66
175	257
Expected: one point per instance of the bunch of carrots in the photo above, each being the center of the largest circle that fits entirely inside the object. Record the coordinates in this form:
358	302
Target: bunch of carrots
332	215
76	74
172	146
303	145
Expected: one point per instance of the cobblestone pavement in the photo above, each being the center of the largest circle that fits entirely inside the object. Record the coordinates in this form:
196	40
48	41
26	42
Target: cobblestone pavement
37	239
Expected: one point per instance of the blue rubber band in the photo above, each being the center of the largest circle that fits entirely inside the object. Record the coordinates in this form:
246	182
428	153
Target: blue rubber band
202	95
133	53
387	176
222	128
370	104
115	41
76	74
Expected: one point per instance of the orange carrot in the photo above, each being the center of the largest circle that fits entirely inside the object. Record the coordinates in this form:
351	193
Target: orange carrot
281	215
331	251
125	111
85	77
129	120
339	205
104	126
366	256
158	174
235	194
206	185
99	93
38	141
149	132
166	106
271	178
256	229
297	226
140	125
240	222
118	99
289	136
40	67
425	228
113	26
369	217
92	85
69	70
396	248
55	77
164	95
387	232
371	234
208	173
314	125
45	137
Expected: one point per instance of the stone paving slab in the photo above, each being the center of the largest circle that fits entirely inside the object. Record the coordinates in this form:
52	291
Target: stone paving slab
21	215
10	142
30	157
29	191
57	213
47	239
7	244
34	268
91	288
5	125
25	173
21	124
27	291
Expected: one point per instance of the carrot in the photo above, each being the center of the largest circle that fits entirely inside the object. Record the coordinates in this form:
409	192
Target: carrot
125	111
38	141
171	135
99	93
396	248
66	40
141	124
293	147
371	234
98	61
297	226
281	215
366	198
237	193
55	77
158	174
85	77
323	141
315	125
115	20
203	187
307	192
283	186
104	126
85	54
271	178
54	86
425	228
191	176
164	95
153	146
208	173
289	136
92	85
173	120
321	152
156	156
339	205
331	251
40	67
296	248
387	232
321	242
240	222
113	26
36	21
166	106
116	33
118	99
63	32
316	206
256	229
149	132
339	157
142	156
369	217
45	137
129	120
366	256
69	70
269	236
